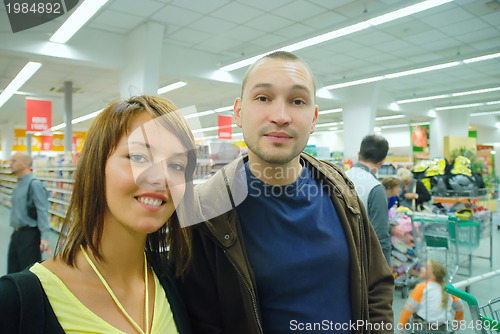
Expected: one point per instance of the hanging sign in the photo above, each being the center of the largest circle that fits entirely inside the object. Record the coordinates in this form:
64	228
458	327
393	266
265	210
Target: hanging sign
38	115
225	130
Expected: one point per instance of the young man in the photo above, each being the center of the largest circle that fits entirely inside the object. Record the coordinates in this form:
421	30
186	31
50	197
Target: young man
30	233
373	194
285	244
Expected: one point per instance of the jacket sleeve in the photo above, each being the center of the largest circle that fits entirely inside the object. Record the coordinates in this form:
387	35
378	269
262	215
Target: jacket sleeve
380	279
10	307
199	290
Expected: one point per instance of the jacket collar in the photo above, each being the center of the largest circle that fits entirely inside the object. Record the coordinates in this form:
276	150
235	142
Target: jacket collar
217	197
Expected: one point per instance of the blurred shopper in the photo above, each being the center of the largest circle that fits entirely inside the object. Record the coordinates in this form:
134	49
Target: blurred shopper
295	247
429	303
29	216
413	192
371	156
393	188
110	273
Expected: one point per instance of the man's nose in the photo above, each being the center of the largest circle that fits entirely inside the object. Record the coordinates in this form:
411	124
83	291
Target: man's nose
280	113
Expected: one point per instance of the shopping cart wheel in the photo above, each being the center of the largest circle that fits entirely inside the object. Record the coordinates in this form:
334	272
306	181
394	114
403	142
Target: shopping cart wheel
404	292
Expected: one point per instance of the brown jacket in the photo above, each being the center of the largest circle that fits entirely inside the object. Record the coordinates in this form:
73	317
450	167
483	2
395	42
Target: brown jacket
220	289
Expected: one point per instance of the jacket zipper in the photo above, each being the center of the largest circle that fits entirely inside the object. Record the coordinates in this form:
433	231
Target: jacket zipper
254	302
363	271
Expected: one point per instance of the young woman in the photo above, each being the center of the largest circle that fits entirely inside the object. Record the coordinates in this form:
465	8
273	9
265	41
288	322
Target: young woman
428	302
112	273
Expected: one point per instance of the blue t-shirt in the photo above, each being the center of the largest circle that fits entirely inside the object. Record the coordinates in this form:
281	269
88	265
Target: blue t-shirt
298	253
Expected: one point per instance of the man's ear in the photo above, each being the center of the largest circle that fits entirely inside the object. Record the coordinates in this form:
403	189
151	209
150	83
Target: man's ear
237	112
315	118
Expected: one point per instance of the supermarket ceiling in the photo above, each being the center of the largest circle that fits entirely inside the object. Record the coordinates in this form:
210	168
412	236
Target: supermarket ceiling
201	36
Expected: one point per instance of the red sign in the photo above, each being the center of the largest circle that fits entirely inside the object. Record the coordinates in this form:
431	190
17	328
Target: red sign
46	143
225	130
38	115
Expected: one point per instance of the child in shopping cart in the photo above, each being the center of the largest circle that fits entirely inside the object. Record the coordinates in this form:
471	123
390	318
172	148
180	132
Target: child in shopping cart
429	303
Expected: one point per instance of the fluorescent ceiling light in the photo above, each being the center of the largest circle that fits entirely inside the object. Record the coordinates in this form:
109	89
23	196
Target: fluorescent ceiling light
486	113
200	114
471	105
486	57
170	87
228	108
211	128
421	70
57	127
86	117
394	126
24	75
79	17
419	7
442	96
424	5
408	72
331	111
419	99
329	124
355	82
384	118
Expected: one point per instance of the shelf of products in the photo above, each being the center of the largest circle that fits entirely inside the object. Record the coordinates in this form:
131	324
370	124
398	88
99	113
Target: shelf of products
7	184
56	173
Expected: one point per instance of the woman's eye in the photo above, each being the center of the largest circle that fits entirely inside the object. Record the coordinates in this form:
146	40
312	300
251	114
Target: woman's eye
178	167
139	158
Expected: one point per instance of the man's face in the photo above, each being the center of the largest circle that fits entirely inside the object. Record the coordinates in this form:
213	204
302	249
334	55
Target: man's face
277	112
17	164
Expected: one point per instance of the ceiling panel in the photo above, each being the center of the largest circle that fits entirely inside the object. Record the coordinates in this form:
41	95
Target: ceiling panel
237	12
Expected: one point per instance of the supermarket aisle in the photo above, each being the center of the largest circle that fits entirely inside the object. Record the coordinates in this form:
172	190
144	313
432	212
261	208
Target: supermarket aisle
483	291
6	231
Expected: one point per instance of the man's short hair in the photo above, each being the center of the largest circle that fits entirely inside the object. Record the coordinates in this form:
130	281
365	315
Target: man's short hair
373	149
278	55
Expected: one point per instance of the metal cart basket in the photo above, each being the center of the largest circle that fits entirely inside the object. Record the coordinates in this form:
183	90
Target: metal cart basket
485	319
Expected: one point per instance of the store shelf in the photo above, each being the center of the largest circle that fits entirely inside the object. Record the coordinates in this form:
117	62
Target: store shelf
9	179
6	190
55	200
56	168
57	229
7	185
55	179
59	190
57	213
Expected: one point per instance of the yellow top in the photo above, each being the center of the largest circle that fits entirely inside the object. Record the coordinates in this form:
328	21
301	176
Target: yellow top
75	317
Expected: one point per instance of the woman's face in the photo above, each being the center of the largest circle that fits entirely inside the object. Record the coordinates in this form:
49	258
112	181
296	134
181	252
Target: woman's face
145	176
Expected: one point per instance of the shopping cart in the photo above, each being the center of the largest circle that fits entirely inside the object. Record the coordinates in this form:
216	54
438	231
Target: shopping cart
485	319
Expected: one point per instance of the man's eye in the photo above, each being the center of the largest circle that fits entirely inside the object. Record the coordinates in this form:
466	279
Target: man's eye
139	158
298	102
177	167
262	98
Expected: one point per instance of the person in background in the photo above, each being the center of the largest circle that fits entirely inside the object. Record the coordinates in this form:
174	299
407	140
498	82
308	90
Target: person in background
429	303
31	229
371	156
393	187
285	239
413	192
111	274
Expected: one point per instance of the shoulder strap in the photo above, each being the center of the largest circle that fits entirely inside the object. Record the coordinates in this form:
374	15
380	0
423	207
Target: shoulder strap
31	320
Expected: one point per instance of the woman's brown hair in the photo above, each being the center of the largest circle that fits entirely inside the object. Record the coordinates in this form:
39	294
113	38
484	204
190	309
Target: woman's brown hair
85	217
